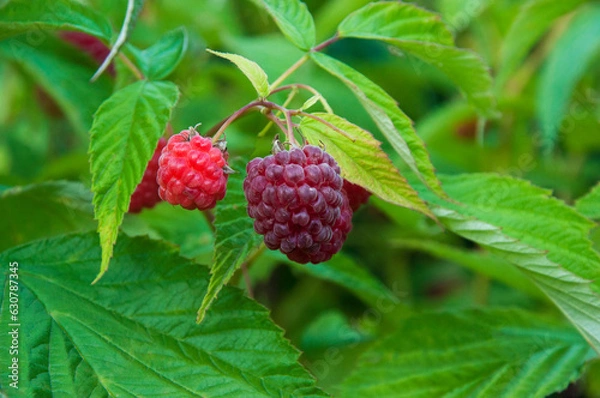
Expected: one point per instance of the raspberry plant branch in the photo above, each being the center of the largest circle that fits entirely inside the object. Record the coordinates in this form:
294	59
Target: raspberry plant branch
288	72
312	90
326	43
131	66
120	40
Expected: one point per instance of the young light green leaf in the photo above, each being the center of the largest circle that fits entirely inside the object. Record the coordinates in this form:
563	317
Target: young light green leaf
235	238
581	42
533	20
542	236
145	326
60	206
64	79
158	61
126	129
393	123
361	159
251	69
134	7
293	19
33	17
589	204
422	34
500	353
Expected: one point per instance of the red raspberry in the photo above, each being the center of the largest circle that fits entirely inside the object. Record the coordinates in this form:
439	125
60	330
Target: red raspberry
191	172
357	195
146	193
296	200
90	45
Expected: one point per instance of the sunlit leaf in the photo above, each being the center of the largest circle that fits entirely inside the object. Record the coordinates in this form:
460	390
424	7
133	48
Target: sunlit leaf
361	159
251	69
123	138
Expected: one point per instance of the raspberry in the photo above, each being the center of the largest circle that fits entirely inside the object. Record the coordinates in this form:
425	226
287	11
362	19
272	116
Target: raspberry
357	195
146	193
296	200
91	45
191	172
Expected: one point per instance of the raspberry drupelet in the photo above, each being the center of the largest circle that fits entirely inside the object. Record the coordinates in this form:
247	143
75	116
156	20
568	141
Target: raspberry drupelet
191	171
296	200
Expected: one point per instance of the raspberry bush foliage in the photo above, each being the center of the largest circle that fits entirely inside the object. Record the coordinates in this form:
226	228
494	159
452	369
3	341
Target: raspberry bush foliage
260	198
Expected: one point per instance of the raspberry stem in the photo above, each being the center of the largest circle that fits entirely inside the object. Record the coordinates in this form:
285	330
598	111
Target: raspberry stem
289	71
326	43
308	88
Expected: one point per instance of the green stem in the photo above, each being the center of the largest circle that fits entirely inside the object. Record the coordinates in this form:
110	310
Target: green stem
289	71
326	43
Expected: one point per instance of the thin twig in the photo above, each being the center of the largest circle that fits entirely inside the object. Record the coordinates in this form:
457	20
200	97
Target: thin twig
131	66
120	40
289	71
308	88
326	43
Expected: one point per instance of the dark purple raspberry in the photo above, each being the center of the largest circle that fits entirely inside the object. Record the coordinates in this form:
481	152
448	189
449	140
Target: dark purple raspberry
191	172
296	200
146	193
357	195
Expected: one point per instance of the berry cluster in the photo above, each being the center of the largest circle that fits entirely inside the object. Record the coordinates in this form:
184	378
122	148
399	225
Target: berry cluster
297	202
297	197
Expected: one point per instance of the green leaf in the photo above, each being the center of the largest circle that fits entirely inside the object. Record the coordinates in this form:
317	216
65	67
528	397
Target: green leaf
59	206
493	353
393	123
25	16
64	79
344	271
533	20
293	19
158	61
581	42
123	138
459	13
542	236
251	69
477	261
394	21
235	238
589	204
361	159
133	333
422	34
